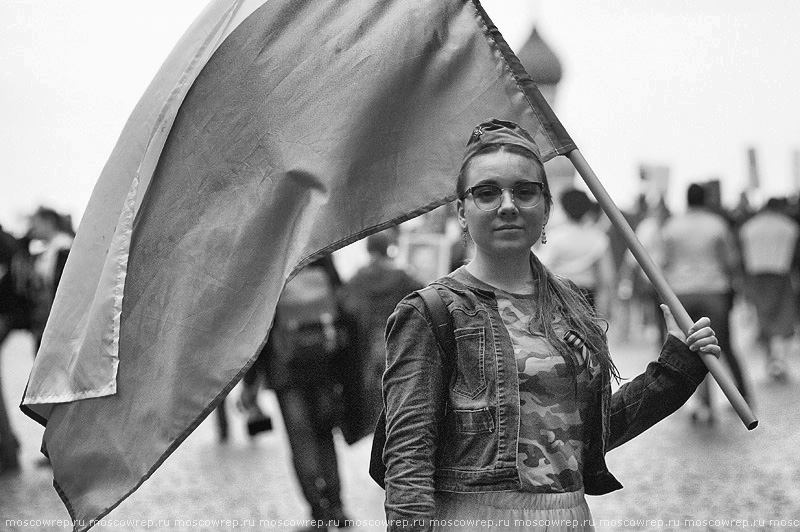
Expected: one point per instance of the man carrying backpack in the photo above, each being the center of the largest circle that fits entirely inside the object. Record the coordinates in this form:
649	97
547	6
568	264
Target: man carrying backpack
307	338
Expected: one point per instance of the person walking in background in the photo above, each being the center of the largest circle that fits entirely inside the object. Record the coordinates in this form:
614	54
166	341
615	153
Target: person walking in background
52	232
514	423
368	298
13	315
771	253
634	286
702	264
39	266
307	344
581	252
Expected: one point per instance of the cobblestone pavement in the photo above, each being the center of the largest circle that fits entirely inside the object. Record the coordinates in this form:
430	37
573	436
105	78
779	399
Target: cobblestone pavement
677	476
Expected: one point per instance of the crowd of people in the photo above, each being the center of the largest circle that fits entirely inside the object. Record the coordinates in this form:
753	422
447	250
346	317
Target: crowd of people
30	270
716	260
529	305
751	263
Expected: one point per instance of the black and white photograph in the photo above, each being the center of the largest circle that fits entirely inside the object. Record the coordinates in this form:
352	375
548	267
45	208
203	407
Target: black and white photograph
399	265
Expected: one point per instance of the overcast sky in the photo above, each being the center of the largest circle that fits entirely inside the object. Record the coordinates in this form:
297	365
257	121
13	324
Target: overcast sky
687	84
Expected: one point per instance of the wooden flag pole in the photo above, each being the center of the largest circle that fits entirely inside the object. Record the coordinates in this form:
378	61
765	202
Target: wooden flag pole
660	283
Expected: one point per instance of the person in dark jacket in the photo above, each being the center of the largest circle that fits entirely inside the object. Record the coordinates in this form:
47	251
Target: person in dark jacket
368	298
514	430
302	357
55	235
13	312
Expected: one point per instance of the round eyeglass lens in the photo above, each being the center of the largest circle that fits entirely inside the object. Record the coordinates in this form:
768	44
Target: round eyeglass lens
527	195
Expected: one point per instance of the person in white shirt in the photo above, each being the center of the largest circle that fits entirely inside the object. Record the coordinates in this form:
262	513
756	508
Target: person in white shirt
580	251
771	254
701	262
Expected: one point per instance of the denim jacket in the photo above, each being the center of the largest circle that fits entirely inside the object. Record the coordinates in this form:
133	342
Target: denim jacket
461	435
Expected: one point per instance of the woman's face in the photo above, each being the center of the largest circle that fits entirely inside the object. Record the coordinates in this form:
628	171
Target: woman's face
508	229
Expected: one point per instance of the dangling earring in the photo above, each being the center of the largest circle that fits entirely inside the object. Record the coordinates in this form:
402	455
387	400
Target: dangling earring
544	236
464	232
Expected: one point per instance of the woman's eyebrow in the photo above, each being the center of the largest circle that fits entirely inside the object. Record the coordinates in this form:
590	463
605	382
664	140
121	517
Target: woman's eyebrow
492	181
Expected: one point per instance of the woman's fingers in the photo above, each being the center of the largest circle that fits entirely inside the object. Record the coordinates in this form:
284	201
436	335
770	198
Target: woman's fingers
699	324
672	325
702	338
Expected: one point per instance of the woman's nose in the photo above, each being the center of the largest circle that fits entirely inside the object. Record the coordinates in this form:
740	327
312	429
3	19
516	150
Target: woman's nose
507	203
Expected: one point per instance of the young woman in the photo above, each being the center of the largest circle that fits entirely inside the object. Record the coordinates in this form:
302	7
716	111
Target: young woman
513	432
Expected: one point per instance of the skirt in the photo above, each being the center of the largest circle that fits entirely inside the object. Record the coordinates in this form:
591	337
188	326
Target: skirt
512	511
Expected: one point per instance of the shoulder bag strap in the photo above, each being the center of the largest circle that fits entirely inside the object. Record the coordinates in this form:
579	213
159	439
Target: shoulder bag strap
442	322
446	338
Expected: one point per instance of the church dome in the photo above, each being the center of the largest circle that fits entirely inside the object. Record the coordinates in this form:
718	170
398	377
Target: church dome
540	61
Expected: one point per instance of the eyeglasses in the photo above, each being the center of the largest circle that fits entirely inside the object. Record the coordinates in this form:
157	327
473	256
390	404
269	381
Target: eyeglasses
525	195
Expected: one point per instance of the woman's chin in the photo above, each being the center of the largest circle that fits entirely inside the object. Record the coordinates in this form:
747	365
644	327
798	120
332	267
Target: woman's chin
509	248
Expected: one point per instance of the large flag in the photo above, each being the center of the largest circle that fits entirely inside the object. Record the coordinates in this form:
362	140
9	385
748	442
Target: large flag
275	132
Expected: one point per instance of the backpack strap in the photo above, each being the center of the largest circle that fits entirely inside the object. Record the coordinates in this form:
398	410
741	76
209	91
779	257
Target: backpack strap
446	338
442	323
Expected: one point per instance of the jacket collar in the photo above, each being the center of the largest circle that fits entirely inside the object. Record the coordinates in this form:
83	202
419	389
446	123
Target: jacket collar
464	278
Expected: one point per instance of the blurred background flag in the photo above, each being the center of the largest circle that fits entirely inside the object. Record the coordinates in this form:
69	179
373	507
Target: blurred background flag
275	131
754	178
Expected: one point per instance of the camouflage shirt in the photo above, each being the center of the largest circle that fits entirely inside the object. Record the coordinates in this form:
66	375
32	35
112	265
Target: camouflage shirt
553	394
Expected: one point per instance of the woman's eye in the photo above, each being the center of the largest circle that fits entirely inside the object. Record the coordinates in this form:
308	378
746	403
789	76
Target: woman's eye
488	192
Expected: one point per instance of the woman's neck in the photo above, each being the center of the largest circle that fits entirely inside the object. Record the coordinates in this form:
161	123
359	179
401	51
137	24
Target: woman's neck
511	275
